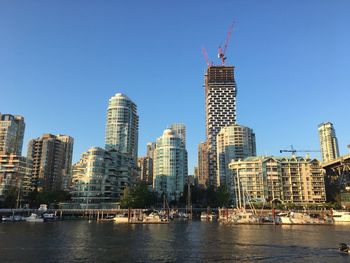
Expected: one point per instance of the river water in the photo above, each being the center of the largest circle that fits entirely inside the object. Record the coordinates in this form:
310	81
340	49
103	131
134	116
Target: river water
83	241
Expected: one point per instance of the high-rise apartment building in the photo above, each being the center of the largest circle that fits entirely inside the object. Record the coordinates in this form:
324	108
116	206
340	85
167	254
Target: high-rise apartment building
67	142
151	146
11	133
233	143
293	180
328	142
145	165
15	172
52	159
122	125
169	165
220	101
203	165
180	130
99	178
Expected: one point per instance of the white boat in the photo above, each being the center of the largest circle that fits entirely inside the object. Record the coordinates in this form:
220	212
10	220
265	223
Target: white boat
14	218
208	217
294	218
152	218
244	217
42	208
50	217
339	216
121	218
34	218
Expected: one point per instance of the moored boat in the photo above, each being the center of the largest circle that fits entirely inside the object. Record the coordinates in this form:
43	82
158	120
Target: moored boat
341	217
208	216
34	218
121	218
50	217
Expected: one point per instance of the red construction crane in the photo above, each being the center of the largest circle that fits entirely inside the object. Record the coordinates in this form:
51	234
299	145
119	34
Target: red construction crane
222	52
205	54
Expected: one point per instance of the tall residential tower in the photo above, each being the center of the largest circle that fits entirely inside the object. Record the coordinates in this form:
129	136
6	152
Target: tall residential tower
169	165
122	126
220	107
11	134
328	142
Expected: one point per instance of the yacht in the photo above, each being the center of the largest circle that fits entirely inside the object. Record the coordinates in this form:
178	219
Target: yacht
294	218
34	218
121	218
339	216
244	217
50	217
152	218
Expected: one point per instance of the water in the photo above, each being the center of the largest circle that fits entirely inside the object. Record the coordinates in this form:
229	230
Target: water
83	241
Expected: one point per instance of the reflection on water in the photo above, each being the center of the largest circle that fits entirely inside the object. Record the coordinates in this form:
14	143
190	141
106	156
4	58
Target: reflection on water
82	241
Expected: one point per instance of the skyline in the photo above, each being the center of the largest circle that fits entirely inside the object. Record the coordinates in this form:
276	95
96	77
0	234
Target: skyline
83	50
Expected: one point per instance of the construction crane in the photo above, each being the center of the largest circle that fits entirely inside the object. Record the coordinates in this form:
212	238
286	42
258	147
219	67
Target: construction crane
293	151
222	52
205	54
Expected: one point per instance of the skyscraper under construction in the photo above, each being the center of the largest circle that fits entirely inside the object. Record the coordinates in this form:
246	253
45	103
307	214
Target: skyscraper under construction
220	107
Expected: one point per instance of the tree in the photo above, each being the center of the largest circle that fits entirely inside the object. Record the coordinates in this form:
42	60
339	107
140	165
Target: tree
222	197
137	197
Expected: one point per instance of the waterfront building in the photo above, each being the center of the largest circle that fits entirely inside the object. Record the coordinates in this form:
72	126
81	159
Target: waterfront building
169	165
290	180
203	165
122	126
15	172
328	142
99	178
51	156
233	143
220	107
11	133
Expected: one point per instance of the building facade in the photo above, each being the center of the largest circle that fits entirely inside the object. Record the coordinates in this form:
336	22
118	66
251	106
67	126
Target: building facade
233	143
99	178
122	126
180	130
170	169
220	102
51	156
203	165
145	165
291	180
328	142
11	133
15	172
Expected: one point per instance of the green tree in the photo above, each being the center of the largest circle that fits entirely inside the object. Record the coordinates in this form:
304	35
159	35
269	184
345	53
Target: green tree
126	200
222	197
137	196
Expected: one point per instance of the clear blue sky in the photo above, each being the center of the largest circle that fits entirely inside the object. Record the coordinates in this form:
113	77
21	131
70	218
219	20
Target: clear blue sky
60	61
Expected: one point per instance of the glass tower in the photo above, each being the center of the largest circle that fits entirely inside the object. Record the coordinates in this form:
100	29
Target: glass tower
122	125
169	165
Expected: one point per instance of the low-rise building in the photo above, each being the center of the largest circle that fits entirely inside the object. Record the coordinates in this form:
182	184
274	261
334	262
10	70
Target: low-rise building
100	177
290	180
